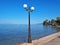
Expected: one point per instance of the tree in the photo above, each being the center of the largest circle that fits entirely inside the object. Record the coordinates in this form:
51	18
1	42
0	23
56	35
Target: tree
49	22
58	20
53	22
45	22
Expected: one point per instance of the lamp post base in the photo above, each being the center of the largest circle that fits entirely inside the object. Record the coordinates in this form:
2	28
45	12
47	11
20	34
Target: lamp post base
29	43
26	44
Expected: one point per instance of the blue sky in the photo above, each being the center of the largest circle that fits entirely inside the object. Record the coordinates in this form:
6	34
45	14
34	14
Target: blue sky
12	11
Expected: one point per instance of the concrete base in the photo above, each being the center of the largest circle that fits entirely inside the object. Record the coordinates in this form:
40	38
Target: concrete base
26	44
29	43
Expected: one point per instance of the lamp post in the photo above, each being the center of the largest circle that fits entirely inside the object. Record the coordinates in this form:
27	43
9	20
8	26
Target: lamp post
29	9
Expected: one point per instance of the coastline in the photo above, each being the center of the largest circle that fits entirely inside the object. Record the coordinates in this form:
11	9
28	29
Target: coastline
43	40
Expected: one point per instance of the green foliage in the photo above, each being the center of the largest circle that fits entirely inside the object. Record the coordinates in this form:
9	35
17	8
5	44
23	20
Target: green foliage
58	18
52	22
45	22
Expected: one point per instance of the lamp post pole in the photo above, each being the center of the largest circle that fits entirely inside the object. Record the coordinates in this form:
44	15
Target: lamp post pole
29	31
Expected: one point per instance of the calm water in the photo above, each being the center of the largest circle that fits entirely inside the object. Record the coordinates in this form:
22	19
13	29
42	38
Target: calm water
12	34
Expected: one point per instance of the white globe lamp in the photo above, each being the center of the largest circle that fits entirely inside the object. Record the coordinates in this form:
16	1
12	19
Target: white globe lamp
25	5
32	8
